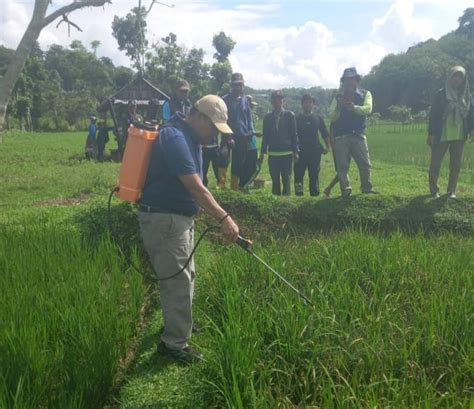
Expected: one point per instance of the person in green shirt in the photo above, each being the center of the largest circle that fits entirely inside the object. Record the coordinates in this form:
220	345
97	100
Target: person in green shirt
451	121
348	115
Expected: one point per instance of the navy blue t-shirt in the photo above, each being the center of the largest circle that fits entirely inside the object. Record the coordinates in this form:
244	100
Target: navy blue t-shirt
176	152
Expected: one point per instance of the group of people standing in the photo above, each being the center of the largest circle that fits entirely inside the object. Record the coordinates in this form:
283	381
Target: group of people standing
97	138
296	143
292	142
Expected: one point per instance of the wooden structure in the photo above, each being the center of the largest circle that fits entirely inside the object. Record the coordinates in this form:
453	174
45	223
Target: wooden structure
140	90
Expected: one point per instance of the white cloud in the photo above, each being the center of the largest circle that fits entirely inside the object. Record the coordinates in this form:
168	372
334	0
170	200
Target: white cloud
270	56
399	28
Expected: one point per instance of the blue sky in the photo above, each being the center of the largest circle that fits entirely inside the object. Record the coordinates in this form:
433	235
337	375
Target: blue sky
279	43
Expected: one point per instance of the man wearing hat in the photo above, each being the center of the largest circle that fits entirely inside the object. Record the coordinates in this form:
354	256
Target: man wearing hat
179	102
280	139
241	123
173	194
348	114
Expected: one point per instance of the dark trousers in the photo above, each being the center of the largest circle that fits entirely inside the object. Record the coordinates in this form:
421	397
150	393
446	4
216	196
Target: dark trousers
311	160
249	167
280	172
101	149
210	156
238	161
244	164
438	151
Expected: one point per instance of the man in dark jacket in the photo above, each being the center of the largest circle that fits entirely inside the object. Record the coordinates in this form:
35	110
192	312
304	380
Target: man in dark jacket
281	141
179	102
309	126
450	124
241	123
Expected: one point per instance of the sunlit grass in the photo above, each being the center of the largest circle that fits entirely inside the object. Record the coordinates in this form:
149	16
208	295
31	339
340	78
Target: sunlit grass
68	312
392	325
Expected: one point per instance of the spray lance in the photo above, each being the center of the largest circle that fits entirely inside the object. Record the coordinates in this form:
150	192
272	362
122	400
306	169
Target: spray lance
247	246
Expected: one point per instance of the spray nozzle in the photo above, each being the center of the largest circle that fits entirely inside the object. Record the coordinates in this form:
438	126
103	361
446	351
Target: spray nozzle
244	243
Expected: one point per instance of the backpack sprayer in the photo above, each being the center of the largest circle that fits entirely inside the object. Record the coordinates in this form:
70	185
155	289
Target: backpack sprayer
132	176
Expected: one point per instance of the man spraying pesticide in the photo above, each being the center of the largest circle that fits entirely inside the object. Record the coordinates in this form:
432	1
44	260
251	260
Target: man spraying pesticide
170	170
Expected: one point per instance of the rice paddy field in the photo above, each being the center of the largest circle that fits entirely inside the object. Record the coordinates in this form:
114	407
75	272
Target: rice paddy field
391	277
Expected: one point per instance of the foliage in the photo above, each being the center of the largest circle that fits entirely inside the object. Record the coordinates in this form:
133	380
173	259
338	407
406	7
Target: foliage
61	345
365	342
62	86
466	23
221	70
223	45
130	33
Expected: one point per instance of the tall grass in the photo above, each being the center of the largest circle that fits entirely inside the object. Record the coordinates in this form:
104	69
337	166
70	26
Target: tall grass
407	146
392	326
67	314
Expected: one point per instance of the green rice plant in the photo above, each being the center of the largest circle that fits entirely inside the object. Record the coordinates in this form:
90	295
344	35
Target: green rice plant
68	313
392	325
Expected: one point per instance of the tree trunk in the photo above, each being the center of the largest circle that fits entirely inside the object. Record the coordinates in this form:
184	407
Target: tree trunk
8	81
37	23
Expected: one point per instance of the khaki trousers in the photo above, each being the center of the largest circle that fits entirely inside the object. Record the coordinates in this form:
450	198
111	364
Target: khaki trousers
438	151
356	147
169	240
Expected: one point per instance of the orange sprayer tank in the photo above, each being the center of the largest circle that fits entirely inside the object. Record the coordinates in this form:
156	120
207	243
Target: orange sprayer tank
135	162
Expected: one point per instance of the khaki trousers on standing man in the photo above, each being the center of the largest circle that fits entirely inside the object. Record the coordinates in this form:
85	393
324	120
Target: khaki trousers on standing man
169	241
354	146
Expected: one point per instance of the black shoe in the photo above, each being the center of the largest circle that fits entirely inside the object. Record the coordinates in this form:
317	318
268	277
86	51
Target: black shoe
371	192
187	355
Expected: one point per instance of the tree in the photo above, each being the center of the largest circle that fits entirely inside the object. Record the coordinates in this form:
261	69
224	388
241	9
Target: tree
39	20
221	72
122	76
223	45
95	45
130	32
196	72
466	24
165	63
222	69
169	62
